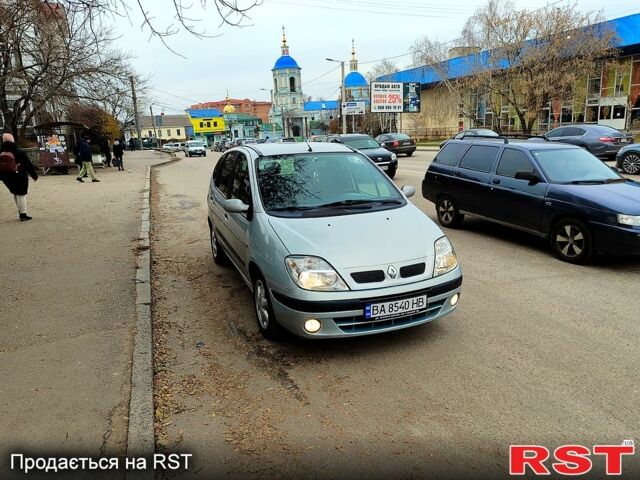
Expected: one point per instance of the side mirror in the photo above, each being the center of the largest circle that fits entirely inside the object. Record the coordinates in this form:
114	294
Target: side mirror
531	177
408	190
234	205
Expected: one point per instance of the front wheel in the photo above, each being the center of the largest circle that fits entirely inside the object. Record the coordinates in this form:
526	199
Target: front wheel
630	163
571	241
265	315
448	214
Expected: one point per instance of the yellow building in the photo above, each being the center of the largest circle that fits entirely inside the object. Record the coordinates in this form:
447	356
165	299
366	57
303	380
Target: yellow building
208	121
167	127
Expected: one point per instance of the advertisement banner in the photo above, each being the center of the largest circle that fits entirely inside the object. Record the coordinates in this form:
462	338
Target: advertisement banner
353	108
411	97
386	97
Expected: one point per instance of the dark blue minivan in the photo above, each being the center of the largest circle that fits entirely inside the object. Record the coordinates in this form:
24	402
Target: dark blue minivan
561	192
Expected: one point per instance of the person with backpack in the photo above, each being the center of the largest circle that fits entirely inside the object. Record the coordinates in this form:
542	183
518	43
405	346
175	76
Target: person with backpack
15	170
118	152
84	155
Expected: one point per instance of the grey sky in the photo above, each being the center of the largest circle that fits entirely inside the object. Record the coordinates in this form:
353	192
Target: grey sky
241	59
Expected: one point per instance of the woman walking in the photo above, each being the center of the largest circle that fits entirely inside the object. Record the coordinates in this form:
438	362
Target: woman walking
17	181
118	152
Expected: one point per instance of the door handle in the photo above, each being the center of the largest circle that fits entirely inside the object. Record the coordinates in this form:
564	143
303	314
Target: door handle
496	181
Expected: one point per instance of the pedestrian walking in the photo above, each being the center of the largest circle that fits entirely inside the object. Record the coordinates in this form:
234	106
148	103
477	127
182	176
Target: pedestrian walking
132	144
84	154
15	170
118	152
106	151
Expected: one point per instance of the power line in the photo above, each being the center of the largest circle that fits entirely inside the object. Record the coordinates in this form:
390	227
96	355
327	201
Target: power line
341	9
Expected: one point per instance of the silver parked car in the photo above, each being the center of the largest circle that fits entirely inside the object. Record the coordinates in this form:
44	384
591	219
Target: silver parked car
327	243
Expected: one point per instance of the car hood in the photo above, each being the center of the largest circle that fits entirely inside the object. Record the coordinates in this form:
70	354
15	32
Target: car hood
632	147
614	197
364	241
376	153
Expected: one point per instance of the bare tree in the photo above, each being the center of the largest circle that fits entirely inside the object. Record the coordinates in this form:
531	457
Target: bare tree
521	59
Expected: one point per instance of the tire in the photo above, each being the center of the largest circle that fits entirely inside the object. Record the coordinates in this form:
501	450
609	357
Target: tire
218	253
447	211
571	241
392	173
265	315
409	154
630	163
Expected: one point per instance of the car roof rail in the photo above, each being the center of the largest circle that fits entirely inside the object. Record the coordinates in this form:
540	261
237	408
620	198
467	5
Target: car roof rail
527	136
502	137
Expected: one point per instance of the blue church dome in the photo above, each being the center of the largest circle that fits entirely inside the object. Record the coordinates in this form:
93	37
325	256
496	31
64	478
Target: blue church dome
355	79
285	61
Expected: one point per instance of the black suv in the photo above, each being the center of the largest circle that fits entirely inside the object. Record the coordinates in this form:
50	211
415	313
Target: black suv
558	191
383	158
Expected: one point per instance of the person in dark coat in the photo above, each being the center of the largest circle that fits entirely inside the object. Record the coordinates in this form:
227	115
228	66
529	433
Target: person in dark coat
106	151
84	155
18	183
118	152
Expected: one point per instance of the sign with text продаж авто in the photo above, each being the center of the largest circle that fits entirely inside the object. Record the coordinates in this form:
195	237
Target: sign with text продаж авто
386	97
353	108
411	97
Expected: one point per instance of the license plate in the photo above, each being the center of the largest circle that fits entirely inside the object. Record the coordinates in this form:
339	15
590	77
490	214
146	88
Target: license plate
395	308
624	140
407	143
384	167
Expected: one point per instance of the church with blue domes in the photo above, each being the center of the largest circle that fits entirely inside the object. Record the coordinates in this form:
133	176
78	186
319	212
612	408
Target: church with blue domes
355	85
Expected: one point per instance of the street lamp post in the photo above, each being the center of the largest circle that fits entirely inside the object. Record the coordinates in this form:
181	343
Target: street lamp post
342	93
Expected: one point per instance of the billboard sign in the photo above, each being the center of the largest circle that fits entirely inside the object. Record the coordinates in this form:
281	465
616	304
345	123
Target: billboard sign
386	97
411	97
353	108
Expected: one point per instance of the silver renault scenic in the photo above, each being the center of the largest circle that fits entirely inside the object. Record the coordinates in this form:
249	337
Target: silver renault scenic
328	245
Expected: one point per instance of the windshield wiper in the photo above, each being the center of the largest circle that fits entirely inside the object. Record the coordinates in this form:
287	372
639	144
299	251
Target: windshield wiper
587	182
291	208
616	180
358	203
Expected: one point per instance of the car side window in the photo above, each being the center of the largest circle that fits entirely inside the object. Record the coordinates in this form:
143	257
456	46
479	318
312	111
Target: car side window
457	136
241	186
480	158
513	161
556	132
451	153
572	132
223	175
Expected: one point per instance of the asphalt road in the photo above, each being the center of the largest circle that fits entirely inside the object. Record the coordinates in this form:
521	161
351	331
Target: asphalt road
538	352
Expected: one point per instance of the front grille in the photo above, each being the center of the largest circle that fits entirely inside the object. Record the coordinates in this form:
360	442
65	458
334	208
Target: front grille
358	323
413	270
371	276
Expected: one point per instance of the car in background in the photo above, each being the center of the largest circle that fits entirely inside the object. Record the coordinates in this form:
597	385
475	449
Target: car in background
557	191
195	147
170	147
397	143
600	140
383	158
628	159
472	132
280	214
317	138
288	140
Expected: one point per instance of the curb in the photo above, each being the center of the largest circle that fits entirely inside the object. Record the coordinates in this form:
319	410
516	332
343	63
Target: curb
141	435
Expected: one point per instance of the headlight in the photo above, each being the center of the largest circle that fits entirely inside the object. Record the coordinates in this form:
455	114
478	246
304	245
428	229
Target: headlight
632	220
313	273
445	258
394	156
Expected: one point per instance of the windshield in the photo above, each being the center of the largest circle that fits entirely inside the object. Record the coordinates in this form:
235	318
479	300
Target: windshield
573	165
195	144
361	143
322	182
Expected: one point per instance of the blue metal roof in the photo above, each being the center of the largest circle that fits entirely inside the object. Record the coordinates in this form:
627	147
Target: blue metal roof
285	61
204	113
320	105
627	30
355	79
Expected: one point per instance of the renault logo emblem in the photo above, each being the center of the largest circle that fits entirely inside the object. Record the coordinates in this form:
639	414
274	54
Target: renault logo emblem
392	271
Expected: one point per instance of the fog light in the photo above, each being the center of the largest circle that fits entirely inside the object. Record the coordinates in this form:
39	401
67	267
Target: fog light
312	325
454	300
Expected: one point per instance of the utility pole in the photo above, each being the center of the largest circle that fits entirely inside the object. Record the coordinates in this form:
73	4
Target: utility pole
135	111
153	122
342	94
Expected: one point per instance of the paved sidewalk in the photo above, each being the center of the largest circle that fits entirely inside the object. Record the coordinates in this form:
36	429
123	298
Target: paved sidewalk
67	312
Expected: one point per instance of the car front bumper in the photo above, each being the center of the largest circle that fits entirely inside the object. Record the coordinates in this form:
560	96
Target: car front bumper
344	317
616	239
